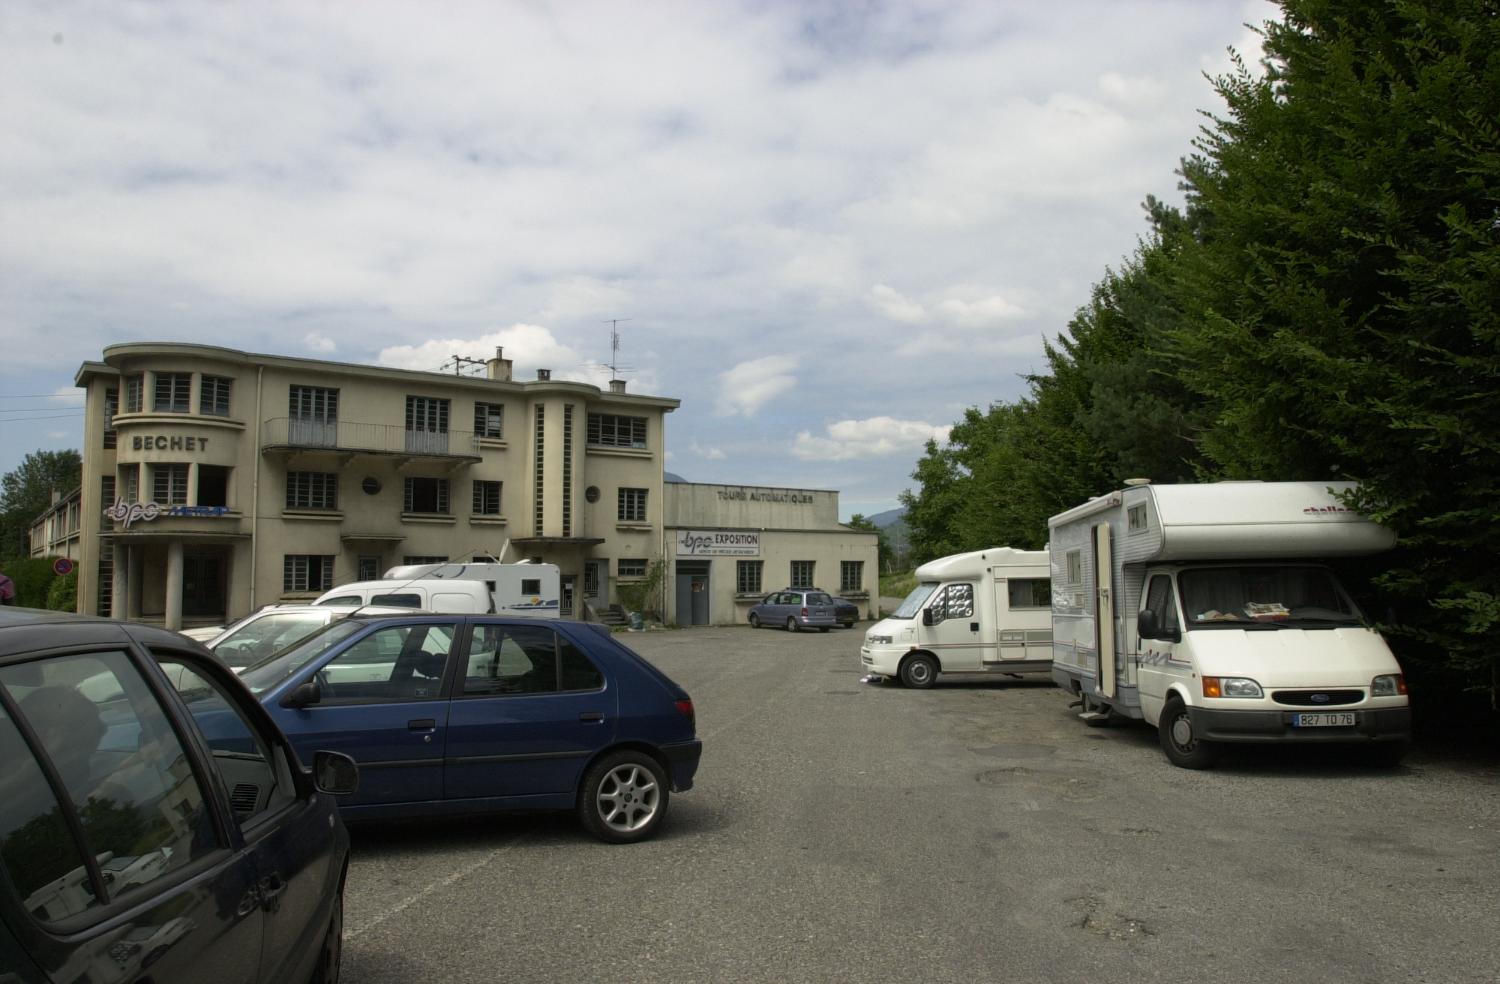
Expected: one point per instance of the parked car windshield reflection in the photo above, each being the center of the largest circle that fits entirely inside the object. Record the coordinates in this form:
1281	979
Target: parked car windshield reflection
268	673
915	600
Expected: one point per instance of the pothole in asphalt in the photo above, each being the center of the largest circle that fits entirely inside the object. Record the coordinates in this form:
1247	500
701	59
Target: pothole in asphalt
999	777
1014	750
1111	926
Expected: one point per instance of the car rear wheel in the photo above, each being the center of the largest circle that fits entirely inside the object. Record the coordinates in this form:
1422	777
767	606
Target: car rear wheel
624	797
754	621
791	624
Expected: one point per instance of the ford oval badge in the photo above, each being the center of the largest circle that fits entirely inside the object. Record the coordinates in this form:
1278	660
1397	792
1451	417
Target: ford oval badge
1321	698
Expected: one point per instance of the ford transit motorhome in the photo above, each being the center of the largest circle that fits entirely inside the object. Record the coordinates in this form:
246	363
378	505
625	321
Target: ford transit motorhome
986	611
525	590
1205	611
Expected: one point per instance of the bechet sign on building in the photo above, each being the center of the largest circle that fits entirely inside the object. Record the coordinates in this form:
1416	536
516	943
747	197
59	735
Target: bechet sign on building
221	481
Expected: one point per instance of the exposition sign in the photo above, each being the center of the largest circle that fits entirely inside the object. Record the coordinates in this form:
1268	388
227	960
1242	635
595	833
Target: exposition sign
718	543
131	512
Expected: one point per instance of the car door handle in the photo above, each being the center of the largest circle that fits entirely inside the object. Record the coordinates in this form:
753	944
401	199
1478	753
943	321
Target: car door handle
422	724
591	717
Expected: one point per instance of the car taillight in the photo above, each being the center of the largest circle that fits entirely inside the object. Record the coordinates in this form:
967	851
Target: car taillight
685	708
804	612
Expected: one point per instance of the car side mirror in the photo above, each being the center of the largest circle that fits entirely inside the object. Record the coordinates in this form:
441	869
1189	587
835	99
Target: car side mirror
335	772
927	618
303	694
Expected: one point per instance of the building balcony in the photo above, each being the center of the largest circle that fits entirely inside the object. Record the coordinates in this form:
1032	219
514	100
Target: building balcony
346	440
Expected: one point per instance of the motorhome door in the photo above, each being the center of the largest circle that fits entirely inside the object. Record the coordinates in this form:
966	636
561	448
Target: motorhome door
1104	612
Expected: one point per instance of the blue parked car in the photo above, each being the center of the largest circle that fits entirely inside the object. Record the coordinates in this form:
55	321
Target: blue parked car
461	713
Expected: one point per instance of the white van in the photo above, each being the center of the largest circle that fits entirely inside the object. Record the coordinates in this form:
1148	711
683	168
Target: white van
1203	610
428	594
525	590
988	611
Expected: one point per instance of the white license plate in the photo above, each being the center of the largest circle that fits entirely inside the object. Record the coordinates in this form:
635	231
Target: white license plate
1341	720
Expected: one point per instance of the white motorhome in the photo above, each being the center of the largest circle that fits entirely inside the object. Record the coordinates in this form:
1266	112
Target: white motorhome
987	611
524	590
426	594
1203	610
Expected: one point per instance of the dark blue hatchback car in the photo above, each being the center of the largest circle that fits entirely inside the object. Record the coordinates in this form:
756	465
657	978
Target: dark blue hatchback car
470	713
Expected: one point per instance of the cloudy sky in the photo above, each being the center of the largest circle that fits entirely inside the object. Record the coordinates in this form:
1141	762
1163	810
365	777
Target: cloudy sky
826	227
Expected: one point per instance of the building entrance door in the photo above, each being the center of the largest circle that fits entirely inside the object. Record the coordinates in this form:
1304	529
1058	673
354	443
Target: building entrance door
692	594
202	584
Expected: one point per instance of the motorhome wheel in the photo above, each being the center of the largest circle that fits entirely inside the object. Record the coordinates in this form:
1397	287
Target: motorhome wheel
919	671
1183	747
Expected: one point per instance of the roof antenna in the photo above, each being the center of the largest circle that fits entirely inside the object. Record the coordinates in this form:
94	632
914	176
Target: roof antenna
614	349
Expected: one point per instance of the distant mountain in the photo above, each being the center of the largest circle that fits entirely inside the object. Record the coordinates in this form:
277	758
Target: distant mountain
673	477
889	517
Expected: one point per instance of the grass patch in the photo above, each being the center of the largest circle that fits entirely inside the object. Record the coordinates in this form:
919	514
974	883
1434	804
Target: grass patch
897	585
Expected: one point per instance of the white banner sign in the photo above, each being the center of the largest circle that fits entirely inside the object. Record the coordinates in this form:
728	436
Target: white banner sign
717	543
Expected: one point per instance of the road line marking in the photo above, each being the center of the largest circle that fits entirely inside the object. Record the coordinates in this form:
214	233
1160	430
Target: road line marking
410	900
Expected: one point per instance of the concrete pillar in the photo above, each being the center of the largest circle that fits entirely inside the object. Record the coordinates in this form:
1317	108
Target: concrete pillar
173	619
120	576
135	570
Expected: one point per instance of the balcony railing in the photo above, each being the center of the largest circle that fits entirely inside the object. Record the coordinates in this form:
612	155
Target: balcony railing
347	435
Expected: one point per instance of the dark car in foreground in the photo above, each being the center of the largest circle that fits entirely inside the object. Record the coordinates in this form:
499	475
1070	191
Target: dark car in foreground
132	847
465	713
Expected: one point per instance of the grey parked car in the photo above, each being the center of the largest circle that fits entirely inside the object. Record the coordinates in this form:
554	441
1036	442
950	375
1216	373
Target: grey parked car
796	609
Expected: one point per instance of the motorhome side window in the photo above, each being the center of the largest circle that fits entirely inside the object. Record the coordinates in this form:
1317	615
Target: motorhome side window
956	601
1030	592
1161	599
1075	566
531	586
1136	518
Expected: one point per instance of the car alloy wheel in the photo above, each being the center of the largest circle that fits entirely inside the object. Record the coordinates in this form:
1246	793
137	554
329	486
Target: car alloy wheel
624	797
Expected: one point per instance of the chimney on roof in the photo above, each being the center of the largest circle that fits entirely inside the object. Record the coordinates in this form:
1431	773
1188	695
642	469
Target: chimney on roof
544	374
617	385
499	366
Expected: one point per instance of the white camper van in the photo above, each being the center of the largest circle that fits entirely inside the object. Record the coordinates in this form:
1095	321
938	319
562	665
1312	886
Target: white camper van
524	590
1203	610
982	612
426	594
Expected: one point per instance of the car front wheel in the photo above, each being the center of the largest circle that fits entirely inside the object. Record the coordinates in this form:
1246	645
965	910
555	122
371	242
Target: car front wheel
754	621
1180	740
624	797
329	960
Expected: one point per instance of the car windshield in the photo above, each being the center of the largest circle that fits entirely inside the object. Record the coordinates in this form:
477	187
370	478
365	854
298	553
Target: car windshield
1265	595
269	672
250	642
915	600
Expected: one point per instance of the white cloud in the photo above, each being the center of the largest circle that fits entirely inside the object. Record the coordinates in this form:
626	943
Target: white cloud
876	437
321	344
893	305
981	312
751	385
712	454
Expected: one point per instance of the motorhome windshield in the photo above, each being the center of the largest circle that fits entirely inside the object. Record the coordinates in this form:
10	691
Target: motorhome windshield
268	673
1272	596
915	600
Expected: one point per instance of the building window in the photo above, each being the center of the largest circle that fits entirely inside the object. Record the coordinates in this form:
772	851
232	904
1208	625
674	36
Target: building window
486	498
415	560
307	572
632	505
213	396
1030	592
538	488
426	495
312	490
367	568
314	404
617	431
630	567
567	471
107	496
130	480
169	484
851	575
111	407
591	579
489	420
802	573
132	394
213	485
172	392
427	425
106	582
747	576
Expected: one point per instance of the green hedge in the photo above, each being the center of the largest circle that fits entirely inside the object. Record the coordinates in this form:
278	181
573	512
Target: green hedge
63	595
33	577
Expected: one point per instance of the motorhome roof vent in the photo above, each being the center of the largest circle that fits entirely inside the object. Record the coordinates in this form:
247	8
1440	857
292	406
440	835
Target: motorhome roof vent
1134	482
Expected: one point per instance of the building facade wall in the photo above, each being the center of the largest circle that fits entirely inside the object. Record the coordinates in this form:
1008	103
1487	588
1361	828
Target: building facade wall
716	533
237	480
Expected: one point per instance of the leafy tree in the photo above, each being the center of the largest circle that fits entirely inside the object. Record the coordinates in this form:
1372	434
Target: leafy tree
884	551
1342	311
26	493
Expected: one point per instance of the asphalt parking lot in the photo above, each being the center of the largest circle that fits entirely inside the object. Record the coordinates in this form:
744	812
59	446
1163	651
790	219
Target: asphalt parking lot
976	832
